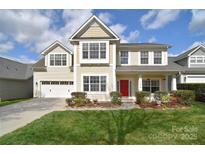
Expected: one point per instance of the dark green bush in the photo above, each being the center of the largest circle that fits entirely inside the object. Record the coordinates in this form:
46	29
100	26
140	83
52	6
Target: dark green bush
185	96
69	100
141	96
79	95
115	97
198	88
158	95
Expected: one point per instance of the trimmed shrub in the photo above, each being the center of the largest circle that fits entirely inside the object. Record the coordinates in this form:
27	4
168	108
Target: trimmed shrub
141	96
79	95
159	94
115	97
198	88
79	101
185	96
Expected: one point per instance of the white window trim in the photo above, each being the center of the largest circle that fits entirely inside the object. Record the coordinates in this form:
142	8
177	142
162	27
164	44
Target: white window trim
94	61
129	57
67	59
149	57
96	92
160	82
201	56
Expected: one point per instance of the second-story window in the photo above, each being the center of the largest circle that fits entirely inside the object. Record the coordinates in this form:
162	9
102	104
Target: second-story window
124	57
58	60
144	57
94	50
157	57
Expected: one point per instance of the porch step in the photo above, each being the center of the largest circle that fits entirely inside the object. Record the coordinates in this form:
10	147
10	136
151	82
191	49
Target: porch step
127	100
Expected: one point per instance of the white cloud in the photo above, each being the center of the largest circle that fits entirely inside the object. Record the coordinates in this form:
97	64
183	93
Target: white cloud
152	39
119	29
34	28
197	22
155	19
6	46
25	59
106	17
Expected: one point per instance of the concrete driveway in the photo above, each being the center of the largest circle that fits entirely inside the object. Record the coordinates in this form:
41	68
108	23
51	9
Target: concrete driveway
17	115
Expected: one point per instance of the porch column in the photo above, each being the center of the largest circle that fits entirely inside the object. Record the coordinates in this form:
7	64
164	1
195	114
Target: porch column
174	82
167	82
140	83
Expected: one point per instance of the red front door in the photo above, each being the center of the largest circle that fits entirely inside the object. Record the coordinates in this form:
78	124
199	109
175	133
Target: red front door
124	87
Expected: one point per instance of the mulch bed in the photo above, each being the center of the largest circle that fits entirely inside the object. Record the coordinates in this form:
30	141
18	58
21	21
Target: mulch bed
168	105
97	105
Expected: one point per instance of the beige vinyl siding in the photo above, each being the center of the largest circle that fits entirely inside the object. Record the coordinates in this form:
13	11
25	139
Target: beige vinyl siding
94	31
134	55
101	70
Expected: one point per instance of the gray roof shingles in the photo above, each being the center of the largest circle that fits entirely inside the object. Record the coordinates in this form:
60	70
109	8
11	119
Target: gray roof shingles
171	67
10	69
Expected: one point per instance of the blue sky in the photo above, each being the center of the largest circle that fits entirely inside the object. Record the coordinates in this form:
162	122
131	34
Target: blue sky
25	33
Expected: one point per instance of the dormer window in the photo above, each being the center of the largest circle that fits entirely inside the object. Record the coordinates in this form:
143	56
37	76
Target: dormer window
58	59
157	57
144	57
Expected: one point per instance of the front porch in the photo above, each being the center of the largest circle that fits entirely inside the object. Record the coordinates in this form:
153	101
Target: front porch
129	83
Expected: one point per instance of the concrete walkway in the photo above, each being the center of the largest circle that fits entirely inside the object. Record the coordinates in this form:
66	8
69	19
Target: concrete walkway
17	115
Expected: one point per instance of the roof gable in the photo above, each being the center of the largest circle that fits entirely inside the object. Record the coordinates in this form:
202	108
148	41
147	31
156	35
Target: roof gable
94	28
53	46
200	49
189	52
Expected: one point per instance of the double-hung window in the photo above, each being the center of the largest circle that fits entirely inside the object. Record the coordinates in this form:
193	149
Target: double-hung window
197	60
157	57
144	57
124	57
150	85
96	50
94	83
58	59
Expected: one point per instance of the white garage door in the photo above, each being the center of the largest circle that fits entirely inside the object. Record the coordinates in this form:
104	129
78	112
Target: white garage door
54	89
195	79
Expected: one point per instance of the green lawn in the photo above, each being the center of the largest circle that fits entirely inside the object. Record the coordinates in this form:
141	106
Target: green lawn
12	101
171	126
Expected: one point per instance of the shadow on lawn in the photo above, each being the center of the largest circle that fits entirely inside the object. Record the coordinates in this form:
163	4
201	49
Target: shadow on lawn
117	124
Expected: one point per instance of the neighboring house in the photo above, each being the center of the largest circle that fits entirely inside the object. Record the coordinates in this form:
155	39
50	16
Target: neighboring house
16	79
101	64
193	62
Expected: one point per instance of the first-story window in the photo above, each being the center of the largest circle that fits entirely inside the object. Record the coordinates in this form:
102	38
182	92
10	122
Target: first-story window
58	59
94	83
124	57
150	85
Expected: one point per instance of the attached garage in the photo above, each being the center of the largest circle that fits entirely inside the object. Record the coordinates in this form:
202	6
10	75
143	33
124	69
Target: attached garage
195	79
55	89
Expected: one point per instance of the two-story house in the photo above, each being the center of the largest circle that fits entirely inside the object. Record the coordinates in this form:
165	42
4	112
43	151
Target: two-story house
100	64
